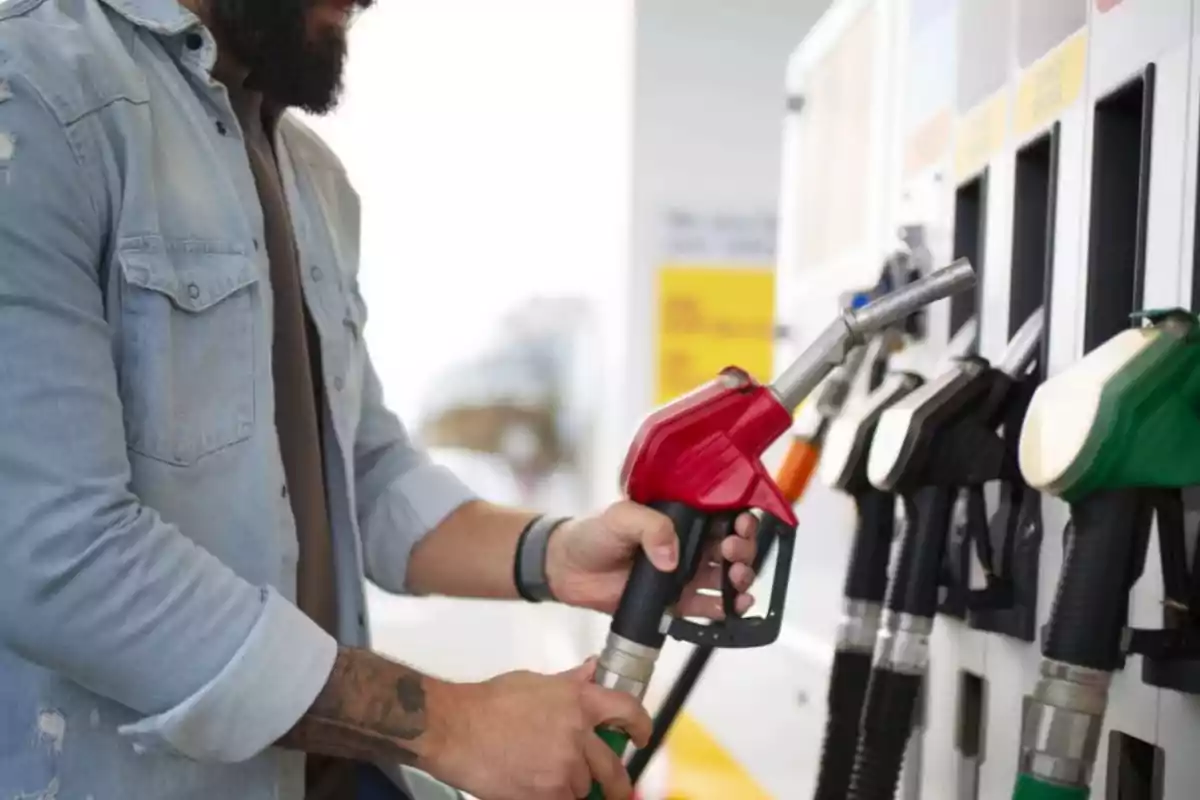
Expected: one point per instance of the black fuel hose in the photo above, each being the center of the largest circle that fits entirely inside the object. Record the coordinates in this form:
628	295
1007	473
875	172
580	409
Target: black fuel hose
866	586
900	660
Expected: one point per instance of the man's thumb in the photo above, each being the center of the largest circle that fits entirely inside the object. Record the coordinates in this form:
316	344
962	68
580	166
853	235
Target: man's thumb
637	525
661	543
584	672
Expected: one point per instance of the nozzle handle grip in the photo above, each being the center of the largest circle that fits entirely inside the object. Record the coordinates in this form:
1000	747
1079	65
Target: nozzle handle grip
651	592
1105	551
871	550
617	741
917	576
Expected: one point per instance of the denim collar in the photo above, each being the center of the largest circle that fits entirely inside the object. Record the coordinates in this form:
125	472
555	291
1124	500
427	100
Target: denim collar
167	17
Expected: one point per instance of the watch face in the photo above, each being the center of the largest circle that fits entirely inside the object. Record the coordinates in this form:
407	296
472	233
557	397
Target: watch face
896	426
844	438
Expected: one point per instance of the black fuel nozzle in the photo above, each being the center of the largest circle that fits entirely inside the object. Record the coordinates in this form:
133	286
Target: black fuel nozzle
937	442
844	468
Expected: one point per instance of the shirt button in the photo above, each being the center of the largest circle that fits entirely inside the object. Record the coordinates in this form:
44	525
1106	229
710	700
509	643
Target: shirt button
195	41
257	244
317	273
221	129
193	291
339	384
283	490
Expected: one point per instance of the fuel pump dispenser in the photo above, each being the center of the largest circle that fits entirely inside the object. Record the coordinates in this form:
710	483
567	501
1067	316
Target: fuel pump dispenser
698	460
1117	436
928	447
844	468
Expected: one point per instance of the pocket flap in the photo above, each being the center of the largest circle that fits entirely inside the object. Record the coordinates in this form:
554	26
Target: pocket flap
195	275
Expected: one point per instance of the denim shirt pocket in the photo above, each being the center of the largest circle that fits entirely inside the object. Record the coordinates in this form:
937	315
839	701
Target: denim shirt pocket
188	347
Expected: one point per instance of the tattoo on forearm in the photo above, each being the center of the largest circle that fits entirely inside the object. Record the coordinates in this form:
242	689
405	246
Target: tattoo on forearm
371	709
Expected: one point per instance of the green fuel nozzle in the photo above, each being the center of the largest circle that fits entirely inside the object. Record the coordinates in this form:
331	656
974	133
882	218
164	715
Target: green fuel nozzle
1116	435
1123	416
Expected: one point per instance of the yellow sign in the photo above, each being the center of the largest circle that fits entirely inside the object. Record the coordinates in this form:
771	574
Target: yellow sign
979	134
1051	85
709	318
929	143
701	769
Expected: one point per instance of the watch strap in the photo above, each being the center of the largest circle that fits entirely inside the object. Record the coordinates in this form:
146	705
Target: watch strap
529	567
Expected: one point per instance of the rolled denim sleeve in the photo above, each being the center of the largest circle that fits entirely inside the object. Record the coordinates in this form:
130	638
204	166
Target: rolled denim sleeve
402	495
94	585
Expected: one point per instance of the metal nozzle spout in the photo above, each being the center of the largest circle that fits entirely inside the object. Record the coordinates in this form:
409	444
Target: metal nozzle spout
891	308
853	328
836	389
1023	348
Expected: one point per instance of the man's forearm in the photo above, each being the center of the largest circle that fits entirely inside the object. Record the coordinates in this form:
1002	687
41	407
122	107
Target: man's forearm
376	710
371	710
470	554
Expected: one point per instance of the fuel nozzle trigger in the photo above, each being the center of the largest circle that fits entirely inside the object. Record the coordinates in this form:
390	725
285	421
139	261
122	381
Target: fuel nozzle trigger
698	531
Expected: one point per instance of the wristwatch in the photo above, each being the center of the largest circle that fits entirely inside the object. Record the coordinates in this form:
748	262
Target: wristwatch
529	565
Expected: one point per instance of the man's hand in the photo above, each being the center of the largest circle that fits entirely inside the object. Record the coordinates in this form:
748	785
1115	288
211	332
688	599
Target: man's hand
524	736
521	736
589	559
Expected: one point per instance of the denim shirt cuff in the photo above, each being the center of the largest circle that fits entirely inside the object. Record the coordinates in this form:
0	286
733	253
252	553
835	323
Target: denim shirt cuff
266	688
416	504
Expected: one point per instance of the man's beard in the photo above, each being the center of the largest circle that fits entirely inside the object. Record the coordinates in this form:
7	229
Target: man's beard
291	65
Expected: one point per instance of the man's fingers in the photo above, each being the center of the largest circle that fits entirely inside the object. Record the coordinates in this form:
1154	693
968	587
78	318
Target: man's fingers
607	769
581	775
708	607
709	577
746	526
742	577
609	708
735	548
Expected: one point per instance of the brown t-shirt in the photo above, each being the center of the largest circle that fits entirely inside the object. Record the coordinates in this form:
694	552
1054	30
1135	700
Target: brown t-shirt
296	367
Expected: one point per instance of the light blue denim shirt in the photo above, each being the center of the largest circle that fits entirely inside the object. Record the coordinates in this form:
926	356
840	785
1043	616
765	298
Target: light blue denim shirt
149	646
